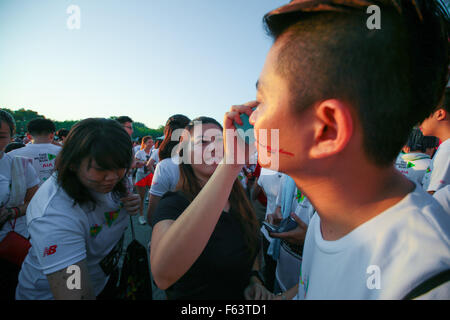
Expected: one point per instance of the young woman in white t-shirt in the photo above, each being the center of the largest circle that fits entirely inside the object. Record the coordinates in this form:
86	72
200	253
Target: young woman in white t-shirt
144	175
78	217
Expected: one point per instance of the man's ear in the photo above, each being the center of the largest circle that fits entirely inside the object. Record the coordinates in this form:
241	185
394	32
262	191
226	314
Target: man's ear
333	128
441	114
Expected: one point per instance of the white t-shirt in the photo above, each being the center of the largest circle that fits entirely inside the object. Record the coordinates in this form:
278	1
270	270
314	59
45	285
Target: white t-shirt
384	258
136	148
443	197
166	177
143	156
270	182
63	234
413	165
43	156
5	189
438	175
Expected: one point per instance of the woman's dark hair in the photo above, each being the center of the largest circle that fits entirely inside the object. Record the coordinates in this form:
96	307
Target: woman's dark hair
62	133
189	185
7	118
177	121
102	140
417	141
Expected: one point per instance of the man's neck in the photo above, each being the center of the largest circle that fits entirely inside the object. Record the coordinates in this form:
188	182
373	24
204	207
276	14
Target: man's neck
444	133
41	141
346	199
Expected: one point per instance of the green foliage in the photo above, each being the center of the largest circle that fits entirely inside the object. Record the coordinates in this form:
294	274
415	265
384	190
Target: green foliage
23	116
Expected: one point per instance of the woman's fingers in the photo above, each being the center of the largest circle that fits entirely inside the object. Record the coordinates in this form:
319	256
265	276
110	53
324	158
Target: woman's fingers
132	203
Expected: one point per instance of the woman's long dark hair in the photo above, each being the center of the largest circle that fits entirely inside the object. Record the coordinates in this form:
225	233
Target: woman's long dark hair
189	185
102	140
177	121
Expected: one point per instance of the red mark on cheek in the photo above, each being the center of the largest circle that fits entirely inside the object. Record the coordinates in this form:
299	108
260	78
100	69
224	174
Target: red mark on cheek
286	152
269	148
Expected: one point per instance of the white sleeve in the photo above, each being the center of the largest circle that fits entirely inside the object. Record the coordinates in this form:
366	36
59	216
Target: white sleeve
139	155
161	181
58	240
31	177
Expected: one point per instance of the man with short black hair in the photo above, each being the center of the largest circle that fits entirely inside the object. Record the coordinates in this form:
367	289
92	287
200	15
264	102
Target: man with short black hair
344	99
127	124
41	149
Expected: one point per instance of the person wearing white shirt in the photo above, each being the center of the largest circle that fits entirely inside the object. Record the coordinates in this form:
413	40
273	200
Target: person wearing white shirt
342	110
18	184
416	158
167	172
144	175
437	124
42	151
78	217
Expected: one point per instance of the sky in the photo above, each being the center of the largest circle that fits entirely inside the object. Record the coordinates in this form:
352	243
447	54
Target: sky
148	59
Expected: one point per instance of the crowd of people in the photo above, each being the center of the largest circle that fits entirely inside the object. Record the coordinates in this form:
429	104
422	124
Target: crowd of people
356	207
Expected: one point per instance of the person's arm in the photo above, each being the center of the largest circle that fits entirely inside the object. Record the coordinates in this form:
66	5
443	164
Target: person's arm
151	165
176	245
65	284
287	295
10	213
152	204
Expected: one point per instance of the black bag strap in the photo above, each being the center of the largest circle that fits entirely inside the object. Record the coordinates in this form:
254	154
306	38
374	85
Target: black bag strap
428	285
132	228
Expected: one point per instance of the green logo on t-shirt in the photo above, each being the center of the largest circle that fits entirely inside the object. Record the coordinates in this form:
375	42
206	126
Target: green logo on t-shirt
51	156
299	196
110	217
95	230
410	165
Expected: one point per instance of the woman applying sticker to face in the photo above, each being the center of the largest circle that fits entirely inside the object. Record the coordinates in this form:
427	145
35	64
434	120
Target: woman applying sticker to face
77	219
205	234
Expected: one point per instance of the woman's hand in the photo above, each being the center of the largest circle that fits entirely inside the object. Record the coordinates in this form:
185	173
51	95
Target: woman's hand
132	203
256	291
237	152
5	214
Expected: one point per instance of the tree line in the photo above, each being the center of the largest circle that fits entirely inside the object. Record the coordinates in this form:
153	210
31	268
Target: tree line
23	116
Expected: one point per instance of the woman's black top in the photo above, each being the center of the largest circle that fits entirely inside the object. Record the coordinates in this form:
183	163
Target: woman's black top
222	270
